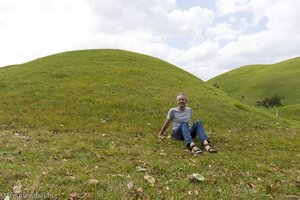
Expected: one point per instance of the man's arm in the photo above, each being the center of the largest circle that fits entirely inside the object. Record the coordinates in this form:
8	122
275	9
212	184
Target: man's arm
164	128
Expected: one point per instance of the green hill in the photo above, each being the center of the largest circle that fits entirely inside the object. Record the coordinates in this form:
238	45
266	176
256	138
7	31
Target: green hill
255	82
86	122
291	111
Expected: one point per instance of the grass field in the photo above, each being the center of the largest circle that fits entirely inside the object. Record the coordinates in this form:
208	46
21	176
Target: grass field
85	124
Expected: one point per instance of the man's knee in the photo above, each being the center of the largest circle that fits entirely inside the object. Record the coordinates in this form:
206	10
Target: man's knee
198	123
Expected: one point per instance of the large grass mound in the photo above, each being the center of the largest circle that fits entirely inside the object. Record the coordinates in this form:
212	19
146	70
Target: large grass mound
73	117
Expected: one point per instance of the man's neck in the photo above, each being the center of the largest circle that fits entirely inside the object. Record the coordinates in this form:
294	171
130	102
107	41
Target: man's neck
181	108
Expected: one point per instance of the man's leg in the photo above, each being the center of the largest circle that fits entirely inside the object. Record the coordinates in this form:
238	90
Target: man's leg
197	129
183	133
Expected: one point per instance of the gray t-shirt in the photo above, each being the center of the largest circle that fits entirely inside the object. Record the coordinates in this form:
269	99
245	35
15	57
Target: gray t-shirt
178	116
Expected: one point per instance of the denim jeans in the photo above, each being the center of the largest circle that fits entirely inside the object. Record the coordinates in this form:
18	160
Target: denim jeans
184	132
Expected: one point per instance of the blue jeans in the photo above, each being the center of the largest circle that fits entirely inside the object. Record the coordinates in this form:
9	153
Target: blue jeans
184	132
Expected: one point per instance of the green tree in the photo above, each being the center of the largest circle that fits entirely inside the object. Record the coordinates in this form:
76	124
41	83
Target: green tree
273	101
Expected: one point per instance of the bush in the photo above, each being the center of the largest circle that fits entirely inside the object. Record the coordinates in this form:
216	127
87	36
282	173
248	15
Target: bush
274	101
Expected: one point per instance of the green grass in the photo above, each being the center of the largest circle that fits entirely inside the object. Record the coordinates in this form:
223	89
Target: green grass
95	114
255	82
291	112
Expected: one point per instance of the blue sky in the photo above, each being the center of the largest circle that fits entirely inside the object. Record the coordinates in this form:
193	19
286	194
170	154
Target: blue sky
203	37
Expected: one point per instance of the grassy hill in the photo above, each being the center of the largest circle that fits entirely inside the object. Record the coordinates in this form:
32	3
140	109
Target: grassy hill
87	122
255	82
291	111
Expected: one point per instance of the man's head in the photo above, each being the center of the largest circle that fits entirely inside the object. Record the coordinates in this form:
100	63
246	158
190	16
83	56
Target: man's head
181	100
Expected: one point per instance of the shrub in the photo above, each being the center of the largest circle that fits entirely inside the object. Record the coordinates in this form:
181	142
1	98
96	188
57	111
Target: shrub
274	101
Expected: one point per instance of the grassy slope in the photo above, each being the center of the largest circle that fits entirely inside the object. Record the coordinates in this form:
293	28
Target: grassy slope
95	114
291	112
256	82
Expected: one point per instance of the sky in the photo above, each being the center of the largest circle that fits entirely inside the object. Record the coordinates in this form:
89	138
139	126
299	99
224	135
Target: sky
204	37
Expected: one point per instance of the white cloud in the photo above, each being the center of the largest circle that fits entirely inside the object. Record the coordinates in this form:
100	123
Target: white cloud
31	31
227	7
270	45
201	40
223	31
273	42
115	16
192	20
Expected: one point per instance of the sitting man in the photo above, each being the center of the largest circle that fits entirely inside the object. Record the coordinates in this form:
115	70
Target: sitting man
181	116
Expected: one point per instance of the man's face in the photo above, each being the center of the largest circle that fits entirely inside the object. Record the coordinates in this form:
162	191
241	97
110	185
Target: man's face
181	101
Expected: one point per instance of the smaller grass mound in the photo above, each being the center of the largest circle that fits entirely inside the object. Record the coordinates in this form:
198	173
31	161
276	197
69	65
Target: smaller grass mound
253	83
290	112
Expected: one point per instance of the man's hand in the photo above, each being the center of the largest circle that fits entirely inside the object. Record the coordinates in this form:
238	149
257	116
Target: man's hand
161	136
163	129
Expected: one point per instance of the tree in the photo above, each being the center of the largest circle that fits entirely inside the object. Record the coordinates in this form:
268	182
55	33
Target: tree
273	101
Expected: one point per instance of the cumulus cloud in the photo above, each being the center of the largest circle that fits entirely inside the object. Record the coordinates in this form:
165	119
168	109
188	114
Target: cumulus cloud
267	33
28	31
272	44
191	21
223	31
228	7
202	40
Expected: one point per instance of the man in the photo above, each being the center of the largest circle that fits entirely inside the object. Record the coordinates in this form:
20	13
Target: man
181	116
